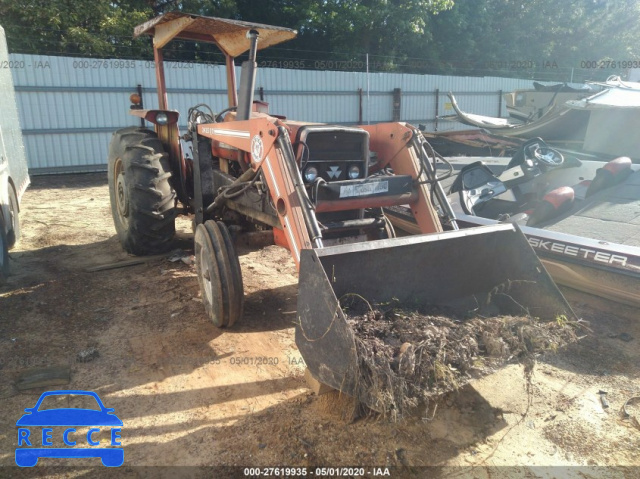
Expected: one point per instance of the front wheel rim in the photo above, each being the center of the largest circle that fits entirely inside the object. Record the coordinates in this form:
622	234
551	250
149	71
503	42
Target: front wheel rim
206	278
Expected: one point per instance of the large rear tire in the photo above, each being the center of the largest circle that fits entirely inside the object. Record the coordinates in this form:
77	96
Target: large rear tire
219	274
142	199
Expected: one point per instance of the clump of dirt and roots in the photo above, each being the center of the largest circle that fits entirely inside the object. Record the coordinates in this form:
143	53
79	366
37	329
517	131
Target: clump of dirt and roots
407	357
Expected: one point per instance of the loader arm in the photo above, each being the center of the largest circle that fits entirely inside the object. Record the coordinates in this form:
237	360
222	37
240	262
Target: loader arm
392	143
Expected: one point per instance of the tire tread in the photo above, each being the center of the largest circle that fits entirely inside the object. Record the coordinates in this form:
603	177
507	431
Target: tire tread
152	200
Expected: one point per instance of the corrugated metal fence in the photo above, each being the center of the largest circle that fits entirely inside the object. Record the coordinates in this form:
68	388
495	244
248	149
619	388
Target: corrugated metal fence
70	106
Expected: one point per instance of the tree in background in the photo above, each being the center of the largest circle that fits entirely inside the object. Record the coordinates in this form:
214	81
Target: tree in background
64	27
469	37
104	27
481	35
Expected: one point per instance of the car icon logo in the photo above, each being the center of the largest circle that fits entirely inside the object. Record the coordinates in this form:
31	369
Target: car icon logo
29	451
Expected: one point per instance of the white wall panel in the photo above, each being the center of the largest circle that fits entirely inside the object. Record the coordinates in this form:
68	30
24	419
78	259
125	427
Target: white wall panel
69	106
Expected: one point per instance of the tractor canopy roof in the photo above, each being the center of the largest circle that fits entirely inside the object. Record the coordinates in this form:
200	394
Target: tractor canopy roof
229	35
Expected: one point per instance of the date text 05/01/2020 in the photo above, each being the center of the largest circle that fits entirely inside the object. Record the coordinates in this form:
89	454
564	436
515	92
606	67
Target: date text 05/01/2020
317	472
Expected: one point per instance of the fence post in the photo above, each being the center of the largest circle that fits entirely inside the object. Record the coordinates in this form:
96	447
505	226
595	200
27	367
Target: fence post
397	104
261	91
359	106
139	88
435	128
500	104
368	93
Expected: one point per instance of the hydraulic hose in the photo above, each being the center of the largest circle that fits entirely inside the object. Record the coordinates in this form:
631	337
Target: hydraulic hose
284	142
433	179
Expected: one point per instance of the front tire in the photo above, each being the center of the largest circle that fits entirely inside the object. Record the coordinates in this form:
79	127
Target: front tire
219	274
143	203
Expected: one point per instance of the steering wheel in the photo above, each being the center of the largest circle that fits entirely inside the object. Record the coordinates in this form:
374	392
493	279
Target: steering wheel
548	156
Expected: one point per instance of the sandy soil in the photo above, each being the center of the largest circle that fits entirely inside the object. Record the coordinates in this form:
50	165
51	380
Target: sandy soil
190	394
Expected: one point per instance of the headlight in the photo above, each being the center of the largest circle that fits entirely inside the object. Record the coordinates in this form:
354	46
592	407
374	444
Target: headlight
354	172
162	118
311	173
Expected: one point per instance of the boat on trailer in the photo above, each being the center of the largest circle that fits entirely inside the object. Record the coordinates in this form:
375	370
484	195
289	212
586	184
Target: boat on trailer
581	217
602	124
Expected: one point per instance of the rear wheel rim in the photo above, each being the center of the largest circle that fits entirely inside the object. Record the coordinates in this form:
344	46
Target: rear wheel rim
122	201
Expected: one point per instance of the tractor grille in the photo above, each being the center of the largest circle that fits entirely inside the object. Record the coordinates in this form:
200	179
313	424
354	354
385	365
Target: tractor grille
332	150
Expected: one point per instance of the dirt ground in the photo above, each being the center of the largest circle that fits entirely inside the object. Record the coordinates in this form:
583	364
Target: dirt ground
192	395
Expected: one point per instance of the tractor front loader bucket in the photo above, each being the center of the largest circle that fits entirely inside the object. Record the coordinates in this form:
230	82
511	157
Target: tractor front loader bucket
491	270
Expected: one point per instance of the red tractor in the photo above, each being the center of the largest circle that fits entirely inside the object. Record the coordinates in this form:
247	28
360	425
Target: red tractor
321	188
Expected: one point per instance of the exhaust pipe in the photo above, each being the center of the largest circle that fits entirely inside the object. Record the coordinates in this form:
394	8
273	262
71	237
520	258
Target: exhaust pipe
248	79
